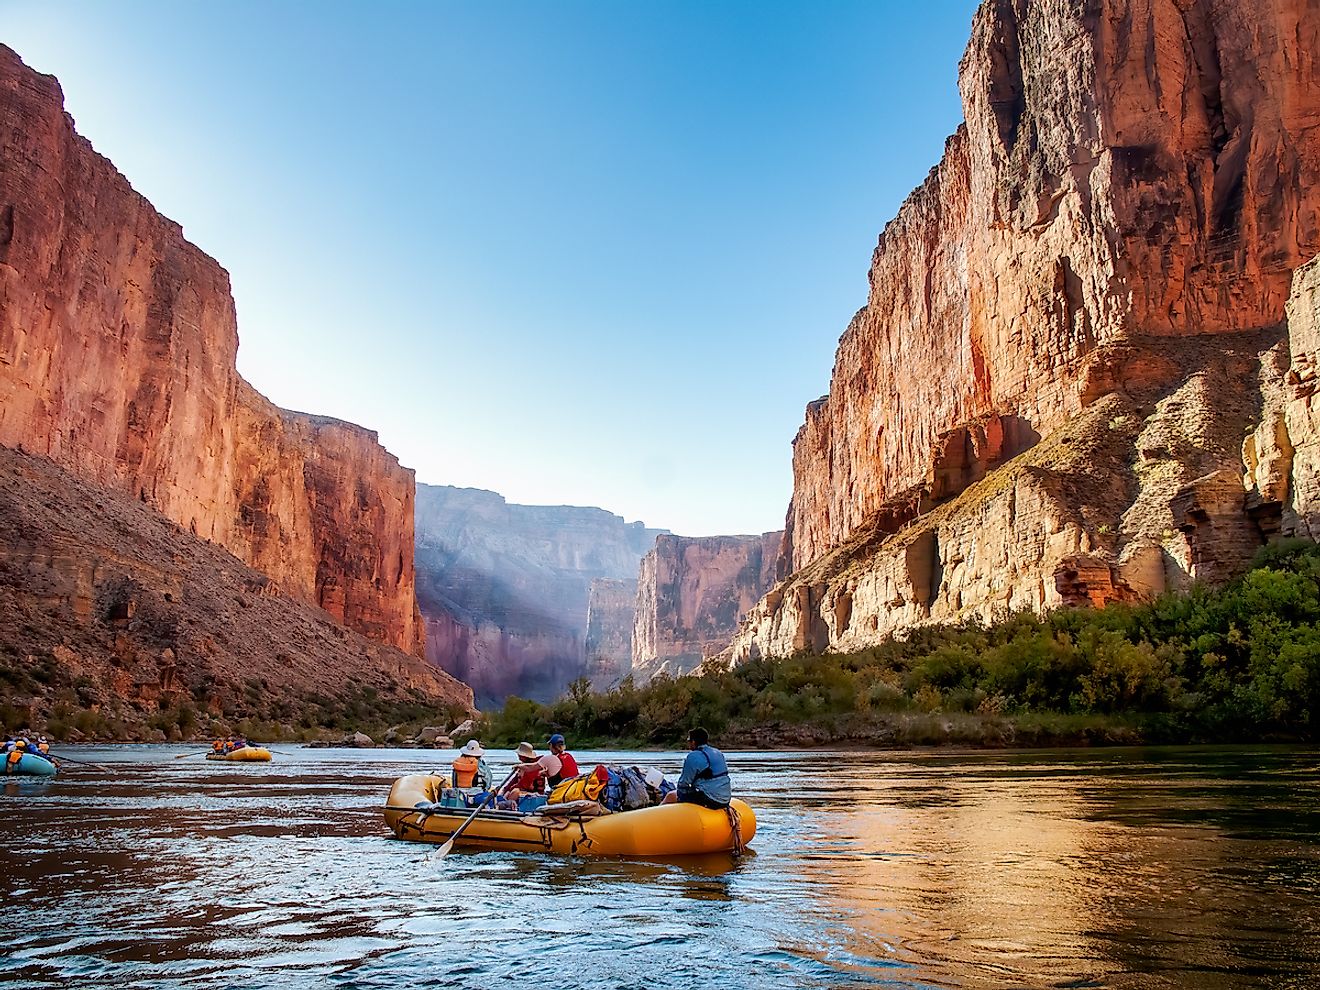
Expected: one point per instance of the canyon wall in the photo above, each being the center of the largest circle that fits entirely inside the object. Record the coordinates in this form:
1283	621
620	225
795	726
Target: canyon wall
1070	327
611	608
117	623
117	348
691	594
505	589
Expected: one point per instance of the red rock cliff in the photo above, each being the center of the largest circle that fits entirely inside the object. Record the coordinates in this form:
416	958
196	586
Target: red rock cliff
691	594
117	349
1127	167
1070	328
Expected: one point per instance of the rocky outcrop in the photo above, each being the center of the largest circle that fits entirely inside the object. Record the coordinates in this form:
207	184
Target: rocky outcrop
611	608
118	623
691	594
117	349
1101	263
505	589
1127	167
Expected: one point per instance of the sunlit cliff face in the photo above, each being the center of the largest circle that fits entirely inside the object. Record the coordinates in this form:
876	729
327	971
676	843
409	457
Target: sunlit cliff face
1070	328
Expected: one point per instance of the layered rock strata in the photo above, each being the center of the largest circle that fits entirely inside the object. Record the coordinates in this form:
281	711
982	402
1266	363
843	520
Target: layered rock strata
1109	237
505	589
691	594
116	620
117	348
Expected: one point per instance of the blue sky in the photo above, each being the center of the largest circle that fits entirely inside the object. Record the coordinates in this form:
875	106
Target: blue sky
577	253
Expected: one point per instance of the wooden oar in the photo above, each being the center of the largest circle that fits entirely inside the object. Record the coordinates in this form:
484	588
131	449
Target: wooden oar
443	851
184	756
70	759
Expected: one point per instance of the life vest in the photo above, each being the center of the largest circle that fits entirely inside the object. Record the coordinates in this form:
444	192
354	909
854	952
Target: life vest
218	746
583	787
12	760
529	777
567	768
465	771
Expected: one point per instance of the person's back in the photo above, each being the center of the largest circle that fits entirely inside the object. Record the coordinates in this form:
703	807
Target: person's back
705	776
467	771
567	767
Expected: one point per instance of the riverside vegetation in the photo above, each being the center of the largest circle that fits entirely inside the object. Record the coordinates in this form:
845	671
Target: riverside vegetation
1237	663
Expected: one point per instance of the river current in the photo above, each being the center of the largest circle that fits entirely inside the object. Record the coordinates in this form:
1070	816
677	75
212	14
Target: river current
1196	868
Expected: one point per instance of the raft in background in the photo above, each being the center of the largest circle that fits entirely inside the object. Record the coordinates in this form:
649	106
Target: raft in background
247	753
31	765
649	833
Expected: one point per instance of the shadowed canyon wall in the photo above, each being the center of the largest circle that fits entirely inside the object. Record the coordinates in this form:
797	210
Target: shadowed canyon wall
118	623
691	594
1071	326
505	589
117	349
611	609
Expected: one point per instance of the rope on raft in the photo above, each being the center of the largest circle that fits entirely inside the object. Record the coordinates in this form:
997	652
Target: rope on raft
735	825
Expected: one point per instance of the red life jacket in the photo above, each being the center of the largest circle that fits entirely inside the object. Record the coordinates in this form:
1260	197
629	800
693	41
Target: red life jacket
567	767
529	778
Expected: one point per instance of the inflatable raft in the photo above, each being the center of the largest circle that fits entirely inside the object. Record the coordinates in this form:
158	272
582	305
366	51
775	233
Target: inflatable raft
31	765
247	753
659	832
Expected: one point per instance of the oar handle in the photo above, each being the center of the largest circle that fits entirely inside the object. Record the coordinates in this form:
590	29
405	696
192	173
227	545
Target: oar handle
449	844
70	759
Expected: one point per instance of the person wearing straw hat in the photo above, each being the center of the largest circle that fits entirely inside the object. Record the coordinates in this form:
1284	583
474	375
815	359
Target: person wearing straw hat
469	769
534	771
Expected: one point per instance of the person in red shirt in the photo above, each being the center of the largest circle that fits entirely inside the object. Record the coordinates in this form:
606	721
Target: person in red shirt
533	771
567	765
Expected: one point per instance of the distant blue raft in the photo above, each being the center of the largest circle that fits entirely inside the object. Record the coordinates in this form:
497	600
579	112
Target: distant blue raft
30	765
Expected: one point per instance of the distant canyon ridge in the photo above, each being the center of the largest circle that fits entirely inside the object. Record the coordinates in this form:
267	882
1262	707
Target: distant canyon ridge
524	599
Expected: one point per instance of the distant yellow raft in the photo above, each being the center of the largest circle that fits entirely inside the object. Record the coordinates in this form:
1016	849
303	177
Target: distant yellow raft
245	754
658	832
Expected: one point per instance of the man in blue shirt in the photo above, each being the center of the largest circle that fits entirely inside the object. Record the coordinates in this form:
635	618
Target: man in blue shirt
705	776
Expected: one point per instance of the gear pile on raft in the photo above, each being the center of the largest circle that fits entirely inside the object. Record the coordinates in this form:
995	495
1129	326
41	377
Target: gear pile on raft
29	757
547	804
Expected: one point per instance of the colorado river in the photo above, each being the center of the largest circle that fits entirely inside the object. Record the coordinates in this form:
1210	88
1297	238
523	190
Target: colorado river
1109	868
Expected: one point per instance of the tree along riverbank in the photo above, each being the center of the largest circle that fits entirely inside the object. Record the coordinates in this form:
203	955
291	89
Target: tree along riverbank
1238	663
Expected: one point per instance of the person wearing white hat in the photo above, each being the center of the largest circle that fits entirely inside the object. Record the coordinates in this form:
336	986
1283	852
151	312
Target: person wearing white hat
470	769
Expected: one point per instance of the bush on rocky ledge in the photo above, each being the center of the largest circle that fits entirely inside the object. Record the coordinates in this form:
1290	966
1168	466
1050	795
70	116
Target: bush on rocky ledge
1234	663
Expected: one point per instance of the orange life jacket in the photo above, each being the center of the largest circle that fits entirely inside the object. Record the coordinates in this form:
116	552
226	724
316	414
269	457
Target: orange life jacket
465	771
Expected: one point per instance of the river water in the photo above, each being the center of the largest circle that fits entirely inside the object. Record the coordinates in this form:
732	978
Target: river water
1195	868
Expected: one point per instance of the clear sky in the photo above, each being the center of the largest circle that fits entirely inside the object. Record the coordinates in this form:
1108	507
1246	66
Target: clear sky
576	253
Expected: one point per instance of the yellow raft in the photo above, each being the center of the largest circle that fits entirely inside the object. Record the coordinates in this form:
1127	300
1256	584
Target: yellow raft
246	753
658	832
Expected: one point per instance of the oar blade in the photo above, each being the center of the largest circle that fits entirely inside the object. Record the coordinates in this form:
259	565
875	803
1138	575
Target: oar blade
443	851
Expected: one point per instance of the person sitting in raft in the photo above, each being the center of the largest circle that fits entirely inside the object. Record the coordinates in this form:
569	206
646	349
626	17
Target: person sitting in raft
567	765
533	772
218	747
469	769
705	776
